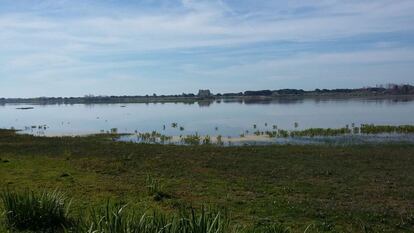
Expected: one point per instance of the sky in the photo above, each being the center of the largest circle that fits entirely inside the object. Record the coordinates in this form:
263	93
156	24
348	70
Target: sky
127	47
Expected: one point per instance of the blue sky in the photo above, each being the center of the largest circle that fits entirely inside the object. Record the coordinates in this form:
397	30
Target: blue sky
126	47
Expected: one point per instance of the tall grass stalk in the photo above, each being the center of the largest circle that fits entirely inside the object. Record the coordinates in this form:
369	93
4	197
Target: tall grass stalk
46	212
120	219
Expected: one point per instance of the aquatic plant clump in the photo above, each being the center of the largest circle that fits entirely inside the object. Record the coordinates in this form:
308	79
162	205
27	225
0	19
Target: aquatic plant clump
320	132
329	132
155	137
377	129
191	139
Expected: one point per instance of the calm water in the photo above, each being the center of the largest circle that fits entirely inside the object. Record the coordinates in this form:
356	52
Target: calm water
231	119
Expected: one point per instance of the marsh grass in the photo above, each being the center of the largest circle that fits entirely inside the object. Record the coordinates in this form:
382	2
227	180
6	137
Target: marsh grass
47	211
153	137
275	228
156	189
320	132
218	175
115	218
153	185
377	129
191	139
207	140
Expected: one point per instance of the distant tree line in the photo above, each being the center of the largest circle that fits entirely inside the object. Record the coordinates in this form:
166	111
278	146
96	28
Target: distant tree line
390	89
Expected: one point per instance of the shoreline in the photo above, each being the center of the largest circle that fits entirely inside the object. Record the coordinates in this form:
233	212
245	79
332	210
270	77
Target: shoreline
350	139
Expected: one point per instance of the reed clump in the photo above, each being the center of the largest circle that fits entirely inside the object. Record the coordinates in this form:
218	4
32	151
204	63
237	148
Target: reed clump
320	132
195	139
154	137
49	212
44	212
155	189
115	218
191	139
207	140
377	129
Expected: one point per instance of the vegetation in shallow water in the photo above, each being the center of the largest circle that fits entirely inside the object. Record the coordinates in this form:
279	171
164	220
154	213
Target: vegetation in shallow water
156	137
378	129
191	139
153	137
207	140
320	132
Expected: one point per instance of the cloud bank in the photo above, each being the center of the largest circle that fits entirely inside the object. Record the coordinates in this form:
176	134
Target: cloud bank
53	48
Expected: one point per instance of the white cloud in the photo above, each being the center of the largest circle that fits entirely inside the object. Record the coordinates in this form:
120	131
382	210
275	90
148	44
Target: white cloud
309	62
45	44
204	25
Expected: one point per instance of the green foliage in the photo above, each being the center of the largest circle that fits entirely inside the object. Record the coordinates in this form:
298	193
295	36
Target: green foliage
282	133
153	185
26	211
191	139
157	138
269	228
207	140
276	228
320	132
155	189
377	129
47	212
114	218
257	183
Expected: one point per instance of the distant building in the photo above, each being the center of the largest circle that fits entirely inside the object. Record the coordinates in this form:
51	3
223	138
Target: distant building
204	93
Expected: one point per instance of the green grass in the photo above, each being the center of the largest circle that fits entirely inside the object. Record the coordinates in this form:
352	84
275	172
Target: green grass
45	212
119	219
28	211
364	188
48	212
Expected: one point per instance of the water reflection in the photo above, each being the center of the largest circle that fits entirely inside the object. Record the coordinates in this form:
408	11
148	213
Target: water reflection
227	117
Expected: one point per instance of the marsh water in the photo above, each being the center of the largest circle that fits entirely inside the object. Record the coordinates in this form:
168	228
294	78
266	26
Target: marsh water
218	117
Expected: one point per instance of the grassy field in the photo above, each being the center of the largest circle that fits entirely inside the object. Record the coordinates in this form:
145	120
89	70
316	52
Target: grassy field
367	188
